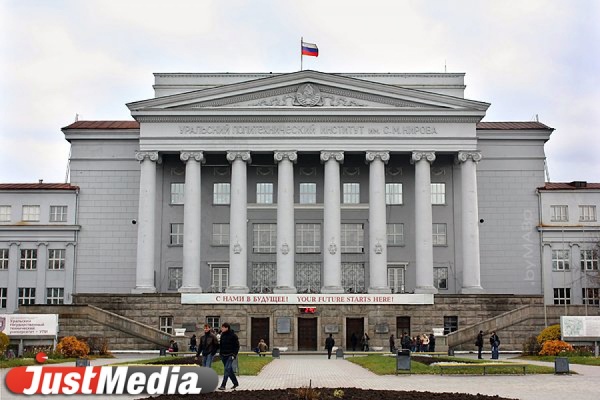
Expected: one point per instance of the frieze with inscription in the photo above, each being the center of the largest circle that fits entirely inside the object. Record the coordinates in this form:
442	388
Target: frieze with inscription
308	130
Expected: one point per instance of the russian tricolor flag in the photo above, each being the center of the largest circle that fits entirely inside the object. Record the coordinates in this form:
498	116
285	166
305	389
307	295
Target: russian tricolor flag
310	49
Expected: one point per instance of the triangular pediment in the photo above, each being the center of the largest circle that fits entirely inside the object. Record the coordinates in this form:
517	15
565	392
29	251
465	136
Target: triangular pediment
306	90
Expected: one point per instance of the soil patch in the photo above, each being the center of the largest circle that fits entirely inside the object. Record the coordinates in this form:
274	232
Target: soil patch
328	394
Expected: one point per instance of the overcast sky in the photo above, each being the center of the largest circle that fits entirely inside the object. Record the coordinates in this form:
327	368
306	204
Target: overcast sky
90	57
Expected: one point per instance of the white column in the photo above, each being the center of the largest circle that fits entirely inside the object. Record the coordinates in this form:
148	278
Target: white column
144	273
285	221
547	273
40	273
238	223
332	252
191	222
377	222
471	276
13	270
423	221
69	271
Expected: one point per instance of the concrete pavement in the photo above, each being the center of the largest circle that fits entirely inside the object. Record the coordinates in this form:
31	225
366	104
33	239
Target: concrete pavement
317	370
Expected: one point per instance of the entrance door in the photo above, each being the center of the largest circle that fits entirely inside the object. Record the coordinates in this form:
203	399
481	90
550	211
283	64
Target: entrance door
354	326
307	334
259	329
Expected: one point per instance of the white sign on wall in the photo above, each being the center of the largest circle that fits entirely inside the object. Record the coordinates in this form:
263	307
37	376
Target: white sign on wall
305	299
580	328
29	324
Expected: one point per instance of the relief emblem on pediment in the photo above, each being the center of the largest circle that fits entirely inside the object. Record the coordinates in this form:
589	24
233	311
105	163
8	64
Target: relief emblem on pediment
308	95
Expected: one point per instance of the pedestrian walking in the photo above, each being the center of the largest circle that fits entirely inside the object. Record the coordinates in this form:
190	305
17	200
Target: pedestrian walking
392	344
230	347
329	343
479	344
208	347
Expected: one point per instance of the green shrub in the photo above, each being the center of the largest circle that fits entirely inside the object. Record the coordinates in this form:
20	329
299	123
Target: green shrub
550	333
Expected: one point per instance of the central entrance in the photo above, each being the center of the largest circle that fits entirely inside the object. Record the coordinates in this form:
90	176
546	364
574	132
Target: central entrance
307	334
259	329
354	326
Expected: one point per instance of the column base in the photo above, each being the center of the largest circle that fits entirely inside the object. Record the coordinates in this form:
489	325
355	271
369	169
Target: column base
285	289
190	289
426	289
332	289
237	289
380	290
472	290
143	289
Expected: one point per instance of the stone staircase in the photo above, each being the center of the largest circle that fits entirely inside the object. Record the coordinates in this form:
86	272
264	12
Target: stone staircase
105	318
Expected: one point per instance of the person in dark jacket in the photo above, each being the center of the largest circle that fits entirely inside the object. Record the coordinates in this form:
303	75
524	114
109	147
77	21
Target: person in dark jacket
431	342
353	341
209	344
329	343
392	344
495	343
193	343
479	344
230	347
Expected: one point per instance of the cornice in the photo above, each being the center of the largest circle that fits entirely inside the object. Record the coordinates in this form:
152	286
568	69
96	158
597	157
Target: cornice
307	119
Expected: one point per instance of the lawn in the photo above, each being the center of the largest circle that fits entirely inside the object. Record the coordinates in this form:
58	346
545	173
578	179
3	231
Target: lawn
24	362
385	365
585	360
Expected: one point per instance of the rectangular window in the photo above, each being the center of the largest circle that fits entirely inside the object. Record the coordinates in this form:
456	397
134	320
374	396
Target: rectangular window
560	260
28	259
175	277
308	193
31	213
176	235
396	277
3	297
177	193
353	277
450	324
264	277
4	258
591	296
351	193
214	322
221	193
26	296
264	238
440	277
220	235
56	258
55	295
264	193
308	238
393	193
219	278
587	213
395	234
589	260
559	213
58	213
5	213
308	277
562	295
165	324
438	193
352	238
439	235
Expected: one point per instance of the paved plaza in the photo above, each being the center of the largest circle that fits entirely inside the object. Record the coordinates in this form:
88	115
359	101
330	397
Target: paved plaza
300	370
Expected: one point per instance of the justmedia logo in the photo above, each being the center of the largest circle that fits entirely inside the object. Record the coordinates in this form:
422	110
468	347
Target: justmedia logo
111	380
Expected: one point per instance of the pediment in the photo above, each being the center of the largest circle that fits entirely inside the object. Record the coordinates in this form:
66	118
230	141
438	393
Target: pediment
307	90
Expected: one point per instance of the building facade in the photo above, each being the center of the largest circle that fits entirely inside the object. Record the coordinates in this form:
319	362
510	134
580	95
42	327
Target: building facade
570	242
297	205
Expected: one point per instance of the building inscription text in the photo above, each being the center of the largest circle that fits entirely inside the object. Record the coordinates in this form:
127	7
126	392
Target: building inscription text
307	130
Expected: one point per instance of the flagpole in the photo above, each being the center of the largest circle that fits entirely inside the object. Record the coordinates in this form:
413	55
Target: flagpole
301	40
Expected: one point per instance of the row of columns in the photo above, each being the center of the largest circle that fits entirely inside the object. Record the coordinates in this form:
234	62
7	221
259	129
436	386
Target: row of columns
332	275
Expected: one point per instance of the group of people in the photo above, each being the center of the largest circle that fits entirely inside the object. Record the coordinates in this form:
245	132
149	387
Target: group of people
364	341
494	344
419	343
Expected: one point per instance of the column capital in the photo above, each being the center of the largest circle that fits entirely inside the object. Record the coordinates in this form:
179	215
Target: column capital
463	156
422	155
372	155
290	155
150	155
242	155
335	155
195	155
